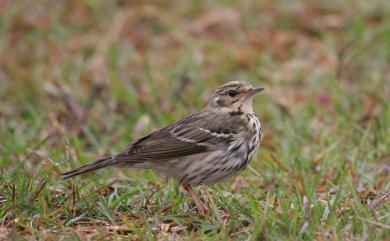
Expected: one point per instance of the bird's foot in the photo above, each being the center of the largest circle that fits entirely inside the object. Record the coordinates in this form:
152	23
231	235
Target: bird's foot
200	206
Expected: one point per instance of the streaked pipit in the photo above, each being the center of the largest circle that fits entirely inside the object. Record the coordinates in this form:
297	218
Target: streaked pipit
202	148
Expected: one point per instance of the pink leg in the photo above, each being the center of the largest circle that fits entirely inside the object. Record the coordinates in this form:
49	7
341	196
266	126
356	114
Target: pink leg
200	206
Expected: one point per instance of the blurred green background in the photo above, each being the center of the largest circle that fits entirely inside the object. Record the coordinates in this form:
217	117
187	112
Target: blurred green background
82	78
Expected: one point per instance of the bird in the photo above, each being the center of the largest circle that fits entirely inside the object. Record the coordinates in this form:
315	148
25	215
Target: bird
203	148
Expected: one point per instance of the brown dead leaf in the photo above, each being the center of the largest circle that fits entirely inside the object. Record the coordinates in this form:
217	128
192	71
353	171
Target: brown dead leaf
300	187
245	56
322	189
278	163
372	107
214	19
164	227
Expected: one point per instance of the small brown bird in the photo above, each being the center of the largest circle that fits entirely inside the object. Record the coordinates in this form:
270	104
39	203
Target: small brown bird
202	148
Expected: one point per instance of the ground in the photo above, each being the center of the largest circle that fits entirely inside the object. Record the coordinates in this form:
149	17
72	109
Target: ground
83	78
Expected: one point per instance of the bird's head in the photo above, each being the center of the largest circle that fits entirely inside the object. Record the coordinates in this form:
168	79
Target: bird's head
235	96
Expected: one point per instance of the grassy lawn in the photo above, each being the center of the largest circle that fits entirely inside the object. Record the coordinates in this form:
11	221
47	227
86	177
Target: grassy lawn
83	78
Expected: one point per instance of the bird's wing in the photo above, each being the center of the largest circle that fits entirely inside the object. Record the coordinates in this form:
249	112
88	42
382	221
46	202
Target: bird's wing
197	133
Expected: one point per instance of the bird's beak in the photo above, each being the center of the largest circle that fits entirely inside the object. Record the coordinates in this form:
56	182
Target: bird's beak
253	91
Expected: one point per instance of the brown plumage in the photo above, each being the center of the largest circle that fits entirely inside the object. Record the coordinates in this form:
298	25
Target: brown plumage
202	148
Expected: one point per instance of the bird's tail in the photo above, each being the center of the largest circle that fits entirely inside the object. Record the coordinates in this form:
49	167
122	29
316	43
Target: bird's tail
100	163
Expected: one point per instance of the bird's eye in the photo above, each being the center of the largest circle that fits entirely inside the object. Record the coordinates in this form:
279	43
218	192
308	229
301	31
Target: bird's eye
232	93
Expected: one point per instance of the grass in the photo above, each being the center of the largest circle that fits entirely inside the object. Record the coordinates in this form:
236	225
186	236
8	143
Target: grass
80	79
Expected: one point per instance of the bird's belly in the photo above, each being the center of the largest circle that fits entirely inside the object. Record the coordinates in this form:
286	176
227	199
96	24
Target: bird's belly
210	170
198	169
214	166
211	167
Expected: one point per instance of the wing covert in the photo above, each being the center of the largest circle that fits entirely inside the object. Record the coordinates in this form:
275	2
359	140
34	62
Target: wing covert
189	136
